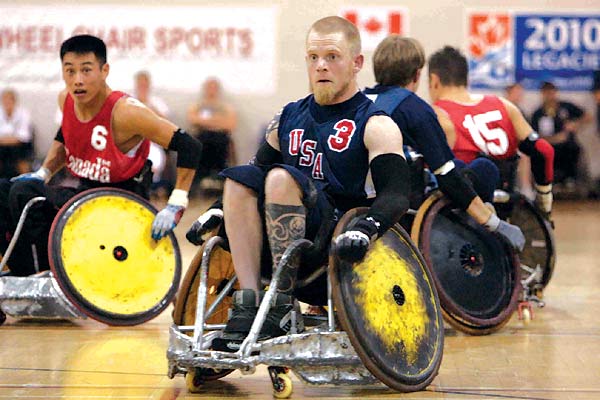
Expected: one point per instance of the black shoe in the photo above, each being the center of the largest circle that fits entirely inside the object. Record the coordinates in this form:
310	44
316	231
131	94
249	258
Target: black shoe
239	323
279	318
277	323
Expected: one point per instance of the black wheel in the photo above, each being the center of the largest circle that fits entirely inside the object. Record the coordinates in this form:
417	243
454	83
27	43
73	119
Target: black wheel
540	250
105	261
388	306
476	273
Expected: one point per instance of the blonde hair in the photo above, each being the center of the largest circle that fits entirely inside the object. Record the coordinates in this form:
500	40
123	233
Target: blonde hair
397	59
335	24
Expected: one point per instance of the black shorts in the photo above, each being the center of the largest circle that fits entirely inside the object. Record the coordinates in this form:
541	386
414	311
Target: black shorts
321	218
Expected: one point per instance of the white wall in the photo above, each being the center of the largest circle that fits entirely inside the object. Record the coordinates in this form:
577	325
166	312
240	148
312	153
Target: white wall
434	23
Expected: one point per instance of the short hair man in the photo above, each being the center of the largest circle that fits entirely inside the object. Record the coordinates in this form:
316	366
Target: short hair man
490	125
316	158
103	141
397	64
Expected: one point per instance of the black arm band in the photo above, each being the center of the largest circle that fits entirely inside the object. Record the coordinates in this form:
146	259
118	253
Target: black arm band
59	136
189	150
457	188
267	155
391	178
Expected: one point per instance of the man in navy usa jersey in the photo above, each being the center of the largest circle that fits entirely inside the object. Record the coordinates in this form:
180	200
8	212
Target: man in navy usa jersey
323	155
397	63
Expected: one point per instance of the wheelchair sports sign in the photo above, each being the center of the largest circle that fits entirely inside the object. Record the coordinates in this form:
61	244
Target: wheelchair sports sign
531	48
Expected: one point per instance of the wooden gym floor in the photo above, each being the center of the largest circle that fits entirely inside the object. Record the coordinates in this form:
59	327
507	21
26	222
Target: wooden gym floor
557	356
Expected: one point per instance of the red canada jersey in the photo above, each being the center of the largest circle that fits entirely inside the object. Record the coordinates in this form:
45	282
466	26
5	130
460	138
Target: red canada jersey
91	149
484	127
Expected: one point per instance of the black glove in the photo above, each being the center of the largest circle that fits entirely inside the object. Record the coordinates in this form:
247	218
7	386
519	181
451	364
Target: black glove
206	222
352	245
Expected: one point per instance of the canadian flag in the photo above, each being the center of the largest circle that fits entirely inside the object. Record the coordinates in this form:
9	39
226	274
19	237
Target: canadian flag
375	23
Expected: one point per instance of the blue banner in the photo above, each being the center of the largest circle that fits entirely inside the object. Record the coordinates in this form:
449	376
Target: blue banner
562	49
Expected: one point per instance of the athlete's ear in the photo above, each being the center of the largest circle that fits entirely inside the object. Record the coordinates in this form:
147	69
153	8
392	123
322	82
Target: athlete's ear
434	81
359	60
417	78
105	70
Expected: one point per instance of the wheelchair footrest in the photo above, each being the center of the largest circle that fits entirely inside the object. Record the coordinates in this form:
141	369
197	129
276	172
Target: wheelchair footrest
316	357
35	297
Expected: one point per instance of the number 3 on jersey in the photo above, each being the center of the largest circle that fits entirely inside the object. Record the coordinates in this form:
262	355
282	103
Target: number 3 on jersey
491	141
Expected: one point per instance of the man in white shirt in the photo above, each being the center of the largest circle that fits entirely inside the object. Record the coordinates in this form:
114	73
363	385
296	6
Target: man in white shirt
15	136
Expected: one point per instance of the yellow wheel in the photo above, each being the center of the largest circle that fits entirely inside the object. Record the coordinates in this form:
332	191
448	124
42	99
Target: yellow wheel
282	389
539	293
105	260
193	381
387	304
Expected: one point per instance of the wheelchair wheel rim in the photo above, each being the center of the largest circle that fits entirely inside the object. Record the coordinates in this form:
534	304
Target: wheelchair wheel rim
476	274
391	312
105	261
539	246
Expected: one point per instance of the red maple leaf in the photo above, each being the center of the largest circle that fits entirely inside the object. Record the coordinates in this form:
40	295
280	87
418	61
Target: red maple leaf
373	25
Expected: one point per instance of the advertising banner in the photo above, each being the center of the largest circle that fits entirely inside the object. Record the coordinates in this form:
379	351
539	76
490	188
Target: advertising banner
531	48
179	46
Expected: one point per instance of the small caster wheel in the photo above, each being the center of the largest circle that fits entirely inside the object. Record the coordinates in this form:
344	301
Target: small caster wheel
282	388
525	312
526	316
194	381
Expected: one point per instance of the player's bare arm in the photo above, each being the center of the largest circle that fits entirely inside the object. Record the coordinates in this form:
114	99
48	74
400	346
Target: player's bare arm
522	127
132	121
382	136
447	125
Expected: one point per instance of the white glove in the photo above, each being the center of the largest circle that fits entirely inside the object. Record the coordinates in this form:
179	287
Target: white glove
43	174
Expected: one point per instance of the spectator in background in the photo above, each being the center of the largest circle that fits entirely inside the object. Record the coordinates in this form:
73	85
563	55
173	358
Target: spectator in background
596	93
161	187
212	121
16	148
514	93
558	122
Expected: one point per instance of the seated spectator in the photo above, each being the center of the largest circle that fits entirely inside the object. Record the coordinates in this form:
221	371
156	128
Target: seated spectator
514	94
558	122
212	121
161	187
16	148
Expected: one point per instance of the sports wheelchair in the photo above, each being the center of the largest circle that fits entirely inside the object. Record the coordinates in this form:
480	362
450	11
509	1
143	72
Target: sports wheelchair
476	273
386	306
104	264
539	255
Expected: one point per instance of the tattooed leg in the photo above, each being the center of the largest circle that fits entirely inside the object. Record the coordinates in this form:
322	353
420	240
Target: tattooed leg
285	224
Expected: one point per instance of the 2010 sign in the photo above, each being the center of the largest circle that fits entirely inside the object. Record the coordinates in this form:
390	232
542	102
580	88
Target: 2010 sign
563	49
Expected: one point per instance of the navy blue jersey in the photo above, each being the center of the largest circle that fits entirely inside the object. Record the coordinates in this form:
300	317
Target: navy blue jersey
326	144
417	122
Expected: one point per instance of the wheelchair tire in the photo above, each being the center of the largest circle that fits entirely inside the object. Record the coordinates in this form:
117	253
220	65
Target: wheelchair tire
105	261
476	273
220	271
540	248
390	312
